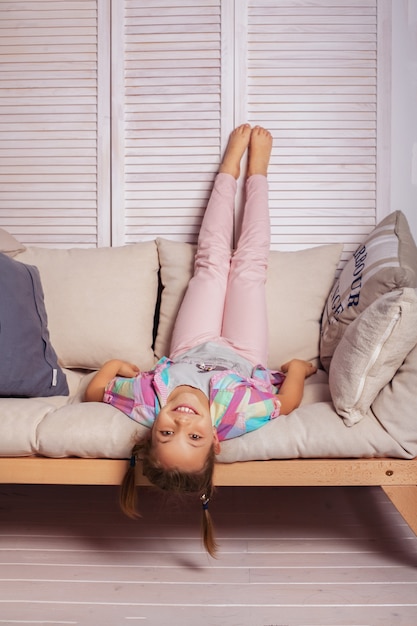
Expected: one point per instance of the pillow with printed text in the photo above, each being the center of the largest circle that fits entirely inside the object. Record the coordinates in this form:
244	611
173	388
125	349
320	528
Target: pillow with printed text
385	261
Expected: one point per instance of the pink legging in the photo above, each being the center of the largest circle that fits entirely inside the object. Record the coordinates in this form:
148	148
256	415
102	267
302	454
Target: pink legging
225	301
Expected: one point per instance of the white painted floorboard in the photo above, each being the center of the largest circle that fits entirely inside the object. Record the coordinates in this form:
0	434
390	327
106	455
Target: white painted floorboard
288	557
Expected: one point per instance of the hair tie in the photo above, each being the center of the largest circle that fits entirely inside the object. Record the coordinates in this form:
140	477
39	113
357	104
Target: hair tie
133	460
204	501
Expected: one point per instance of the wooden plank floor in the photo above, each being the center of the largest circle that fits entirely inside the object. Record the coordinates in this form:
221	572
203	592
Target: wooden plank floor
288	557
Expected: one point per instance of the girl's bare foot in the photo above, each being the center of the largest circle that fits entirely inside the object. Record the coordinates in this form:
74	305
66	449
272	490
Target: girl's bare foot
260	148
238	142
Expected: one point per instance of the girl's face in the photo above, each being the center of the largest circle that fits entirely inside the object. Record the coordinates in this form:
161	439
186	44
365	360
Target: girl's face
182	434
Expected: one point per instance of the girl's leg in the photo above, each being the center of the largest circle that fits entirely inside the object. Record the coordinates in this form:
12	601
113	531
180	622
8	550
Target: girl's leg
201	313
245	323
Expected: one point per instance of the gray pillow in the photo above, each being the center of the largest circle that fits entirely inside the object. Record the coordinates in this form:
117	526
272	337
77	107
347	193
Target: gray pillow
9	244
28	363
386	261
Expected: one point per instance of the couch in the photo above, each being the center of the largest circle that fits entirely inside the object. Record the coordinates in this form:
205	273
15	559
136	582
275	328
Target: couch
64	312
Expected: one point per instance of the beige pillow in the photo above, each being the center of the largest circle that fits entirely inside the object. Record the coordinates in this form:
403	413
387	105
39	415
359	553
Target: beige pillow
297	287
371	351
100	302
387	260
395	406
9	245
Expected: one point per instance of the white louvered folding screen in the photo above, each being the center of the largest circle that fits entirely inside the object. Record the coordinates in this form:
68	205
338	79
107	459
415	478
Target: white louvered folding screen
50	149
170	128
307	71
119	143
311	79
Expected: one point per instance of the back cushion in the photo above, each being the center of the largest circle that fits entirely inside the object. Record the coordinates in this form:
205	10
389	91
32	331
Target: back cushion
297	286
100	302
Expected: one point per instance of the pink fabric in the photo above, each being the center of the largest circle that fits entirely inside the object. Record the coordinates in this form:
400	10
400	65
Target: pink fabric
225	300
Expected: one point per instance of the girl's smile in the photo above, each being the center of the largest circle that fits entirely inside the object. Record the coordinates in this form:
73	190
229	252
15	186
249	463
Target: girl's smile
183	434
185	409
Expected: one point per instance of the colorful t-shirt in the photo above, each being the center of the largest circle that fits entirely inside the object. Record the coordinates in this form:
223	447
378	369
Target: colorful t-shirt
238	404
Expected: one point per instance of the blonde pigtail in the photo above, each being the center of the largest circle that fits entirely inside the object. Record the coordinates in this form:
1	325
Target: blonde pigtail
128	491
208	528
173	481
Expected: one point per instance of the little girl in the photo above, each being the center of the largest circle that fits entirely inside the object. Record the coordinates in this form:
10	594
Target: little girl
214	385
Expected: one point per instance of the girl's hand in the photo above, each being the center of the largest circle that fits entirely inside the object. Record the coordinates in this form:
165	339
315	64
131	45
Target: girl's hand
291	390
115	367
304	367
127	370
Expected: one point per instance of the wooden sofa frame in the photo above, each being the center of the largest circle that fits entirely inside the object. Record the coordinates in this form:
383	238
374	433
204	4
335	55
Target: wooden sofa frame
397	477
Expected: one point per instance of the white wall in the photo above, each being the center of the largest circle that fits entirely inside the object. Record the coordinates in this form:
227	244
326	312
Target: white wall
404	110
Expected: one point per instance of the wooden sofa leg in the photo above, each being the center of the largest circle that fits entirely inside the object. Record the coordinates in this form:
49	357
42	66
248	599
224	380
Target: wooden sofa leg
404	498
